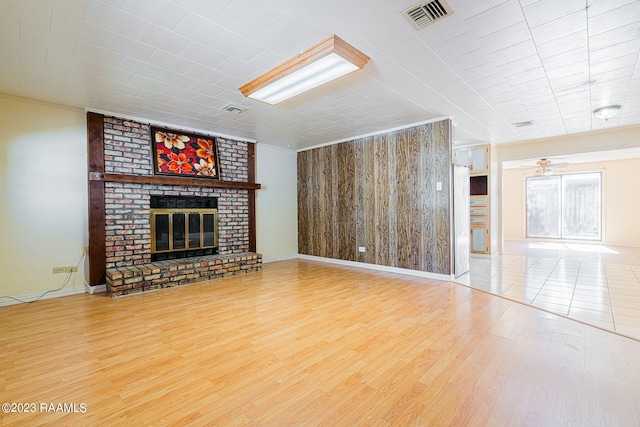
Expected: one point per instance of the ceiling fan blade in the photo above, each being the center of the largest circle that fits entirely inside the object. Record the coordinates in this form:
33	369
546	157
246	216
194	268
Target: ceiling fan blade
547	163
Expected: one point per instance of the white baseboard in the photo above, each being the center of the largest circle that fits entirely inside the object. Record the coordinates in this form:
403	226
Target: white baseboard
485	256
406	271
19	299
280	258
97	289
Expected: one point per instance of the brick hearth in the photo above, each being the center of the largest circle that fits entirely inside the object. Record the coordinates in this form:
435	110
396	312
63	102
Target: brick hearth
165	274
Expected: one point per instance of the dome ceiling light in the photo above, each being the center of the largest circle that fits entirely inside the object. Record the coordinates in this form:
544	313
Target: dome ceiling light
606	113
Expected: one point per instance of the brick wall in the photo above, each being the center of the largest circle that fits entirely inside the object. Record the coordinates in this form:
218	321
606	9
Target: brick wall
127	149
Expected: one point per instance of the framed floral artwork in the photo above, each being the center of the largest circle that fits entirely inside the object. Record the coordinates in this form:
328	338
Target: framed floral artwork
184	154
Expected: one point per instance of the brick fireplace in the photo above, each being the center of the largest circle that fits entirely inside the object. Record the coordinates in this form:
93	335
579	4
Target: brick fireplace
121	186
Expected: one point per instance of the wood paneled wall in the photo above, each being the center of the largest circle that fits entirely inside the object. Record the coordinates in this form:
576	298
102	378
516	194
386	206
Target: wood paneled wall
379	192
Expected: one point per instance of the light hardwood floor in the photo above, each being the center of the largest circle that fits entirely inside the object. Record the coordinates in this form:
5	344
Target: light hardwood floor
308	343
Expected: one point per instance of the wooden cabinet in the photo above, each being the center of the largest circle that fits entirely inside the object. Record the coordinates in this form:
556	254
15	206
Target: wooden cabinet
480	239
479	219
478	159
462	157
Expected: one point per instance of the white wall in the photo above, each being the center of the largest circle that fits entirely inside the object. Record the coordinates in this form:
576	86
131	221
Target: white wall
276	202
43	196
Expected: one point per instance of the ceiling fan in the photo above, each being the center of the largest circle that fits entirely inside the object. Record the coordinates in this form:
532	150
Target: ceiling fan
544	167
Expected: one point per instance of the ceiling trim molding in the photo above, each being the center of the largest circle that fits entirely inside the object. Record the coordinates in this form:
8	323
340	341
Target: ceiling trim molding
39	102
170	125
473	144
407	126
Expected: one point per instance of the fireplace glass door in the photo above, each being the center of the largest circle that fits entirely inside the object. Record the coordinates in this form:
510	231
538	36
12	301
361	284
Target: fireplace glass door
183	232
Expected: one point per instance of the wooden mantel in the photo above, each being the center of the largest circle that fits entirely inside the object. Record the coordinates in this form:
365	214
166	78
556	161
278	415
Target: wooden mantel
98	177
171	180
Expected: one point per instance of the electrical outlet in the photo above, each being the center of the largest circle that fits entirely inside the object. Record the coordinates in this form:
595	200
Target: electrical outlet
361	249
58	270
85	250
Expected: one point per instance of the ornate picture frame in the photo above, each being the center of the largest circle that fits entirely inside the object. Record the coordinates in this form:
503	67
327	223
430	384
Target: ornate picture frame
178	153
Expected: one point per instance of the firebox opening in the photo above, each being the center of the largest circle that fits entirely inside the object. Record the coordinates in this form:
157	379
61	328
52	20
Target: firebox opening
183	226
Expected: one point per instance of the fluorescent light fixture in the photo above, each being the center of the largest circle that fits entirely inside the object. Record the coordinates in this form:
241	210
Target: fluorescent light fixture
326	61
608	112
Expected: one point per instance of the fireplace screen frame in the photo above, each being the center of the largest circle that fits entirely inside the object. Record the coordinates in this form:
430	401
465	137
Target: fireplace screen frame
171	212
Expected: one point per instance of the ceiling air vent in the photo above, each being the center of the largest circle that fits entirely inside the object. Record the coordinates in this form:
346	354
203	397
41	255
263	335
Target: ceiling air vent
523	124
233	109
424	14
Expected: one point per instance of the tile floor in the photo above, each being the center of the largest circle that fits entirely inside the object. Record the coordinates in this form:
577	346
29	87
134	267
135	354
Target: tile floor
595	284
